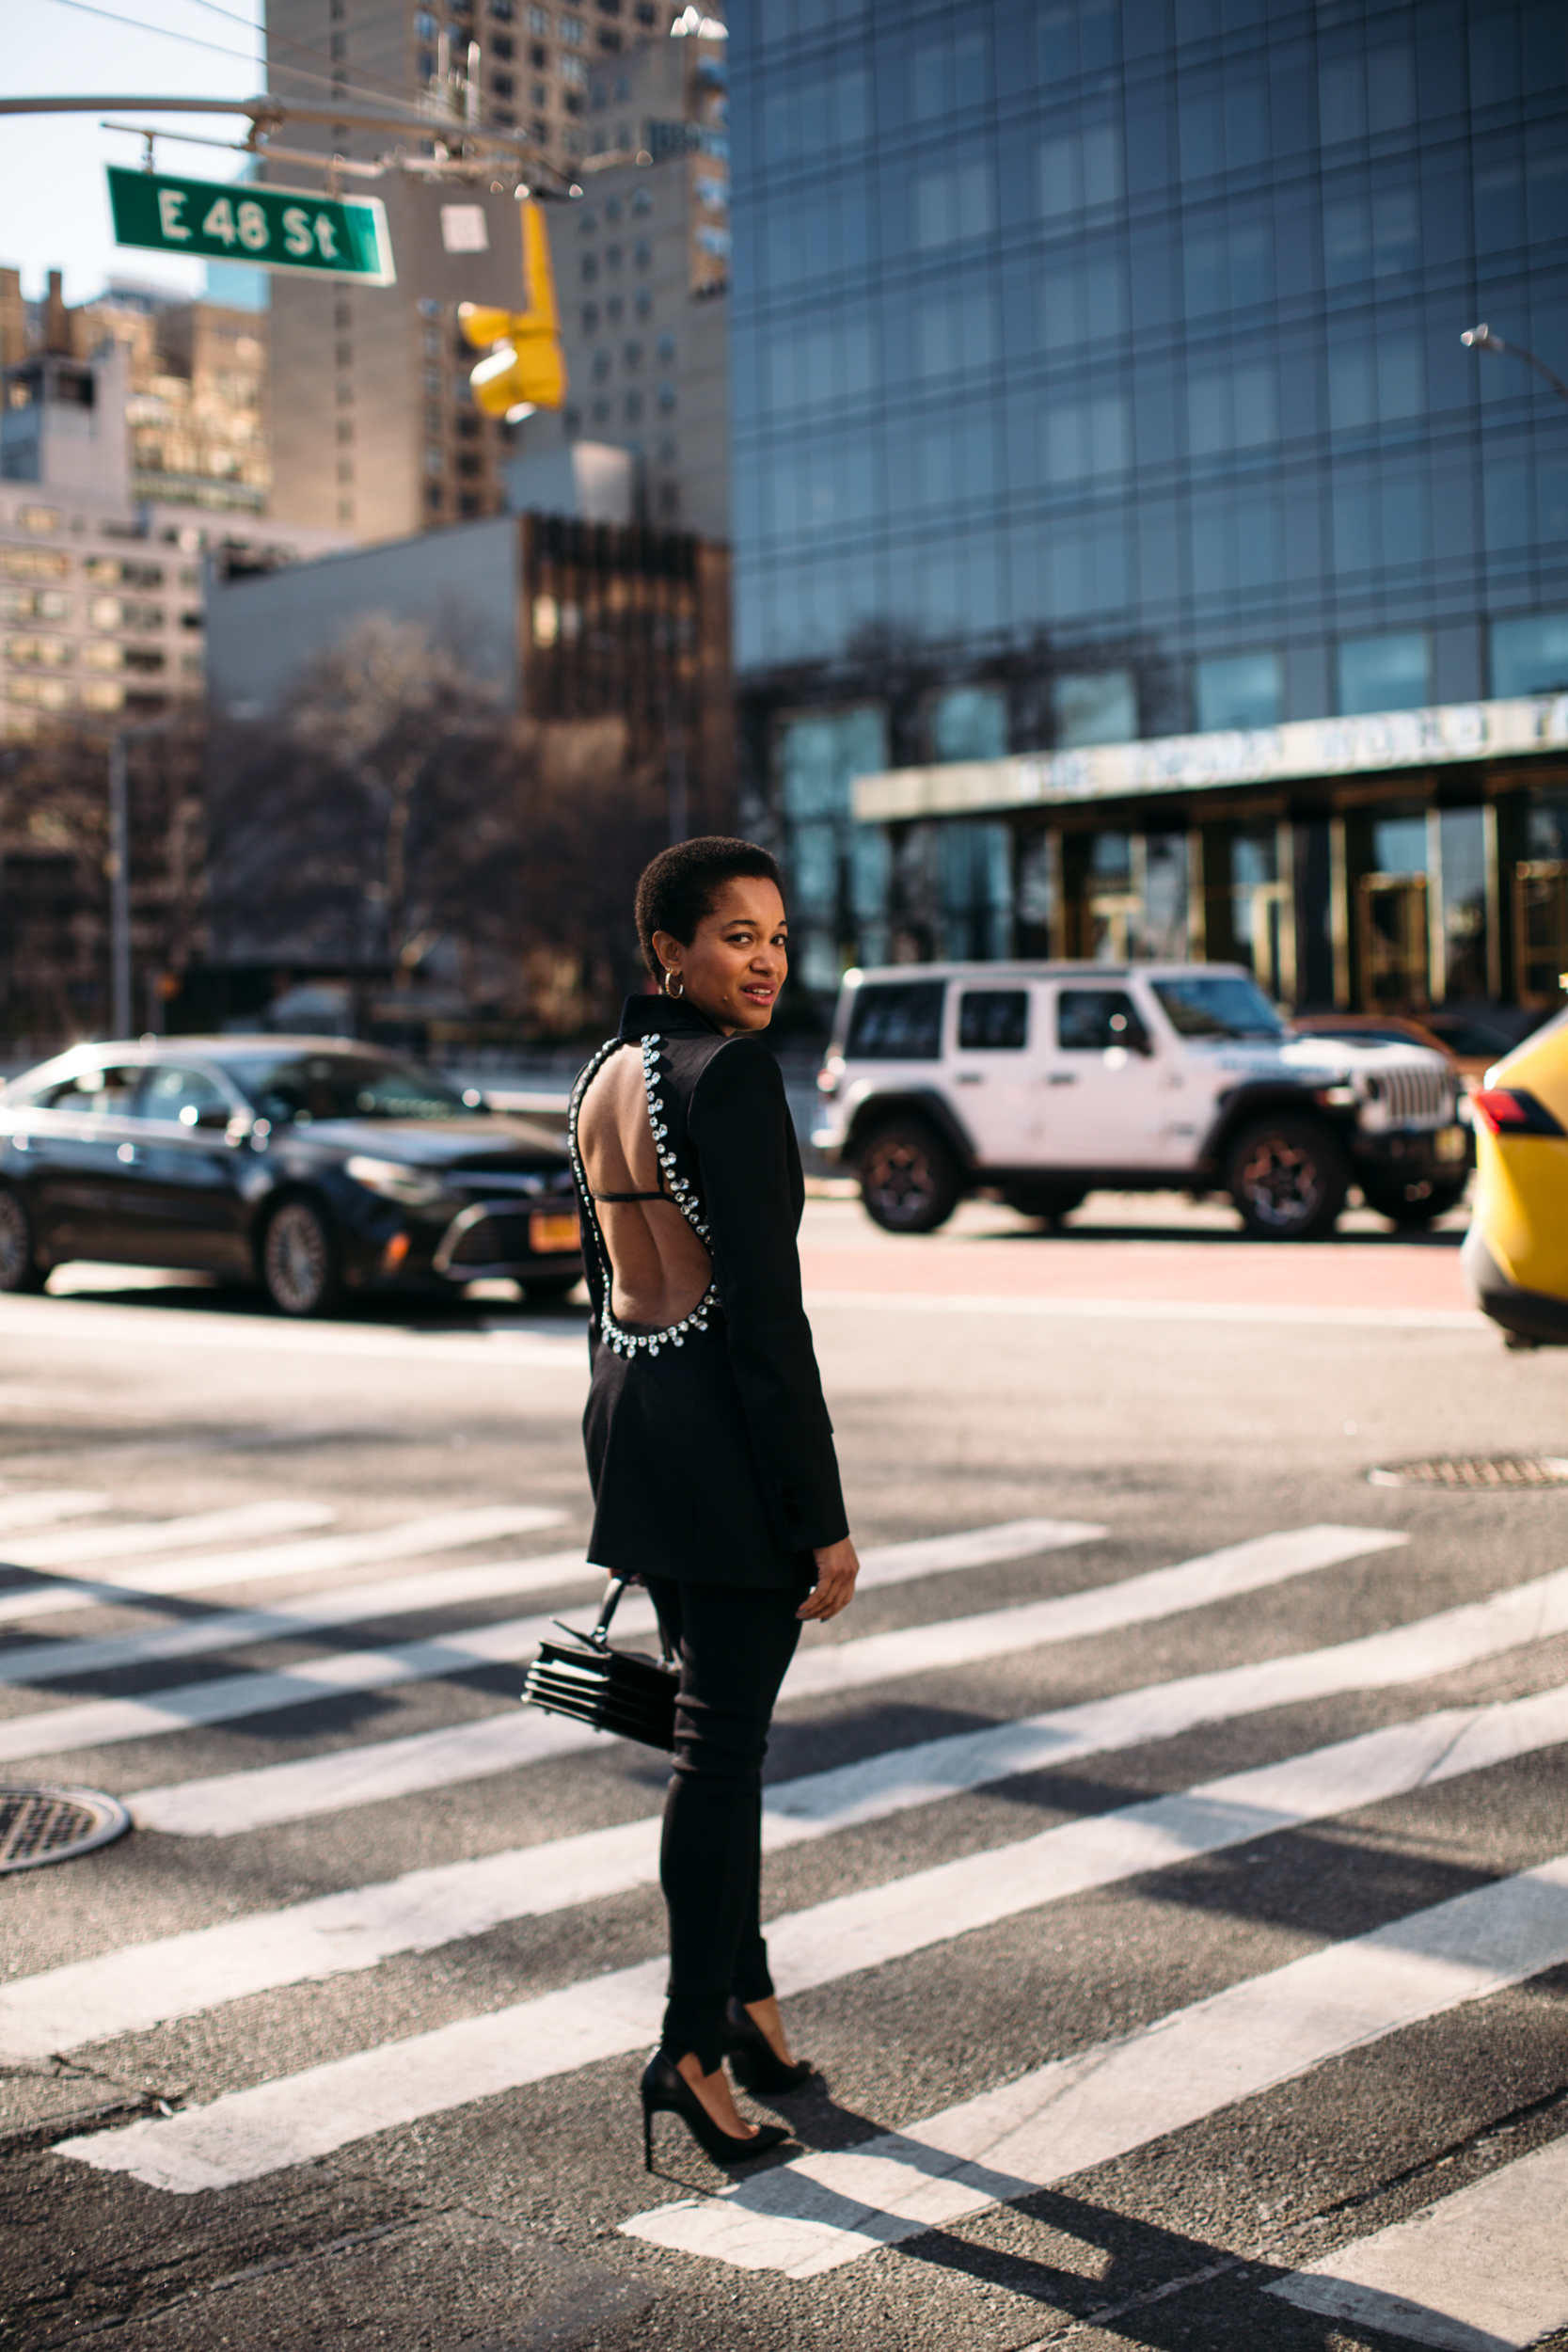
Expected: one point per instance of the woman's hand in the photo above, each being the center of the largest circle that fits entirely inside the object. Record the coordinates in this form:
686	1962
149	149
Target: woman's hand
836	1570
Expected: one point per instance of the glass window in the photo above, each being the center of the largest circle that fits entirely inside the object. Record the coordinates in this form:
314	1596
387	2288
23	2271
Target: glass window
1246	689
969	722
1384	672
187	1096
1099	706
953	205
896	1021
302	1089
103	1092
1530	657
1400	844
993	1020
1091	1020
1221	1005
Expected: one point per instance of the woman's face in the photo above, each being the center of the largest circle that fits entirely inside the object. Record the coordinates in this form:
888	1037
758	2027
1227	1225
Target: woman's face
735	965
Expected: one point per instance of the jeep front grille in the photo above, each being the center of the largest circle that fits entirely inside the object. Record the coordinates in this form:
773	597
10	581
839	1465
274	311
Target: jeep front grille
1416	1098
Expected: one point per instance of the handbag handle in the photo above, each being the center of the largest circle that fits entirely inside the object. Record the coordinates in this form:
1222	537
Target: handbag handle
599	1638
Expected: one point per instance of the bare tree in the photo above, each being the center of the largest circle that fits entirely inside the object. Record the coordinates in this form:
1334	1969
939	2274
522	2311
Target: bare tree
55	981
396	819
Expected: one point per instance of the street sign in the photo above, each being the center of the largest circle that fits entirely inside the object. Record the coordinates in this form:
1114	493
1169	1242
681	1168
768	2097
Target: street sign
288	229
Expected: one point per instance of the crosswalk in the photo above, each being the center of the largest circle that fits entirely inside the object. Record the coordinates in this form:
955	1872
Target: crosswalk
1040	2120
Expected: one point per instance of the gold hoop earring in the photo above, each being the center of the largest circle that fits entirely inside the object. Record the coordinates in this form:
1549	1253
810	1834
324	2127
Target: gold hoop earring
673	984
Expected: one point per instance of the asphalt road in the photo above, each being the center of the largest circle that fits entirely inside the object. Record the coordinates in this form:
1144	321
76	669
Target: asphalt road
1185	1953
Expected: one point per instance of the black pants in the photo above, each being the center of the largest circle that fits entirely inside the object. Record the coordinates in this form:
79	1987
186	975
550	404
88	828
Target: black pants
733	1648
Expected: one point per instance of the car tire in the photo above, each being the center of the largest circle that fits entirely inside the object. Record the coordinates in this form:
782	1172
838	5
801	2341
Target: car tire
1051	1203
1412	1204
909	1181
1287	1178
18	1267
300	1269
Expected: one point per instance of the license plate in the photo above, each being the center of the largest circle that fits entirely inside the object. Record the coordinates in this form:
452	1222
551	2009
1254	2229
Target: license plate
546	1232
1450	1143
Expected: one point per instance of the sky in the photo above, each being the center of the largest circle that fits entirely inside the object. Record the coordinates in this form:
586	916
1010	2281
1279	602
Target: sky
54	195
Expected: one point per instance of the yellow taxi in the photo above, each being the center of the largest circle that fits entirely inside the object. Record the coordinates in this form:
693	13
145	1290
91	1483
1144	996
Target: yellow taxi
1516	1254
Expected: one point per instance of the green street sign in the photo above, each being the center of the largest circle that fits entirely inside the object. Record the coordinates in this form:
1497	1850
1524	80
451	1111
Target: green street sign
288	229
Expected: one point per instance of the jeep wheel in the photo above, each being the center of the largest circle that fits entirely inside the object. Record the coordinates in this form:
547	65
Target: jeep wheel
1051	1203
1289	1178
909	1181
19	1269
1417	1203
299	1261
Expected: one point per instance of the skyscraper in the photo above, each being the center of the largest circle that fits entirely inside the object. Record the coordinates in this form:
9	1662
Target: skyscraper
375	429
1114	498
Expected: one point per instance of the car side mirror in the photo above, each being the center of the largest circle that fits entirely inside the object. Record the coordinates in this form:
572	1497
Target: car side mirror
1139	1042
215	1115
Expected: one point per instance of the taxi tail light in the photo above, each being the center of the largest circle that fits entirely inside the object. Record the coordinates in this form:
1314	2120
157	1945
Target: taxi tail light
1510	1111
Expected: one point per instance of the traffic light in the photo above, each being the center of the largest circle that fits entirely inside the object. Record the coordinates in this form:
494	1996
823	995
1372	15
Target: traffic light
527	367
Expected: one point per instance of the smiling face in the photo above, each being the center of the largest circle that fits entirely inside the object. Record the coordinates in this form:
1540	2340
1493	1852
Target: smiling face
734	964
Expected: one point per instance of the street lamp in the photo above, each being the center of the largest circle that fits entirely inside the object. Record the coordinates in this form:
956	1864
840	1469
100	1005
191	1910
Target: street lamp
1482	338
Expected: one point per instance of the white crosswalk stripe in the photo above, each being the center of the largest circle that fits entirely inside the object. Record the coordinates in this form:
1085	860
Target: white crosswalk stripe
181	1974
849	1665
1482	2270
1437	2273
1080	2111
75	1547
1259	2033
45	1509
892	1564
408	1539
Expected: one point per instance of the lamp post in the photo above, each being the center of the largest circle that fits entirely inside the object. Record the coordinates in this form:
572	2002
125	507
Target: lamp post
119	863
1482	338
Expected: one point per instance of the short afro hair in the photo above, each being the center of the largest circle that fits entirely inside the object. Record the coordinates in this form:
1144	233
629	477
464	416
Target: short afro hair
679	886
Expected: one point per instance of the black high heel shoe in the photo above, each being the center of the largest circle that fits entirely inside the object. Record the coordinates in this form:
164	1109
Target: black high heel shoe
756	2064
666	2091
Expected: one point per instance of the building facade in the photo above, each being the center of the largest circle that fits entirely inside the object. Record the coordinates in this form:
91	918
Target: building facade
133	462
642	264
374	426
1115	498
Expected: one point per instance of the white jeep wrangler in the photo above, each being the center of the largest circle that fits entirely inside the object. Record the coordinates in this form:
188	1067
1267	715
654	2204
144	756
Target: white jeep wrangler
1043	1082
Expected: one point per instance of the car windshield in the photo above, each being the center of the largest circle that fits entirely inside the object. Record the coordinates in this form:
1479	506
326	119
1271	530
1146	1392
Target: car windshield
300	1089
1222	1006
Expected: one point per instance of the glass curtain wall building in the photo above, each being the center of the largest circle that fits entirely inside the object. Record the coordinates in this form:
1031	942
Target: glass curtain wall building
1113	489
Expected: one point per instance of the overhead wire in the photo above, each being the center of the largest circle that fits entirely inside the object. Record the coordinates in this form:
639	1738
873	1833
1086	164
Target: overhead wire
194	40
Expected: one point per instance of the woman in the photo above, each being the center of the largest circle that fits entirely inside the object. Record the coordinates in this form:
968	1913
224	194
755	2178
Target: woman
710	1447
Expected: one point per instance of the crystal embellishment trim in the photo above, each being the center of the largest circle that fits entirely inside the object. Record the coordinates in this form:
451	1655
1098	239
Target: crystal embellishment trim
619	1340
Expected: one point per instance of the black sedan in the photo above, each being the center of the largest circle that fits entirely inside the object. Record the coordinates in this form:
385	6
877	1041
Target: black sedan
315	1169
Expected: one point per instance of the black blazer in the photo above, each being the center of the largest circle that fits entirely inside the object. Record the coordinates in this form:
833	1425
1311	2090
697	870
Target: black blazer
730	1138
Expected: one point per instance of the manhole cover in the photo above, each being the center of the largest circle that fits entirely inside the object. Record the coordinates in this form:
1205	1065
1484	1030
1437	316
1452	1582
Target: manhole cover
1487	1469
39	1825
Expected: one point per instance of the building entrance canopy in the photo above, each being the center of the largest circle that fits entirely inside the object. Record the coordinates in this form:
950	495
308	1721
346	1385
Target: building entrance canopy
1384	743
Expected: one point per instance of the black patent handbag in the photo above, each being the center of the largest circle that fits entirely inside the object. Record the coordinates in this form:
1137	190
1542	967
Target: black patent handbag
617	1691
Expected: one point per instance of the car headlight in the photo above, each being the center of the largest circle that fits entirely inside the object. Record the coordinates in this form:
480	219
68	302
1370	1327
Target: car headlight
413	1187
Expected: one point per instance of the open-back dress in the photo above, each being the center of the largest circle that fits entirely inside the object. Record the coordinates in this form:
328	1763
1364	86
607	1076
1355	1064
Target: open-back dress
710	1447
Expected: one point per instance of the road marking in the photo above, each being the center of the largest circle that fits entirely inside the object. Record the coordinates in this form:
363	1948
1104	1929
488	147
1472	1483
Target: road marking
1153	1311
1079	2113
228	1803
442	1530
976	1547
227	1630
42	1509
182	1976
148	1327
79	1544
1481	2271
1070	2115
349	1604
1263	1560
98	1723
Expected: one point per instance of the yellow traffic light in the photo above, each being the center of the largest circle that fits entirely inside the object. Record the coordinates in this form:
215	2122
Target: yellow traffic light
527	368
